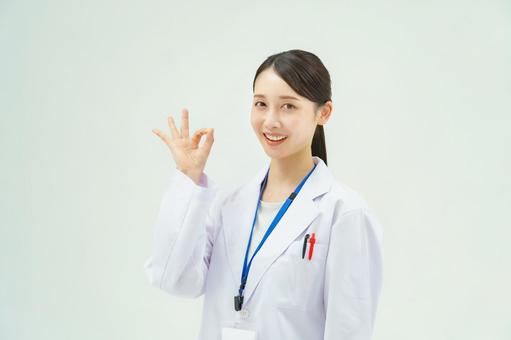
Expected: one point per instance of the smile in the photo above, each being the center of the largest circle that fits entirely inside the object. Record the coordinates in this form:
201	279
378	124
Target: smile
274	140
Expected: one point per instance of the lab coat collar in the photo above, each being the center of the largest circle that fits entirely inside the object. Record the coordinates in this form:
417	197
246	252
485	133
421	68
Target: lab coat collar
238	215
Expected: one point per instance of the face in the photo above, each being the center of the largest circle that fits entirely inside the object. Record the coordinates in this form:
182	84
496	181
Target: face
279	112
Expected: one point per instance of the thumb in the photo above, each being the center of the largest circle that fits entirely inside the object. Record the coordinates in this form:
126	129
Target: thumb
209	139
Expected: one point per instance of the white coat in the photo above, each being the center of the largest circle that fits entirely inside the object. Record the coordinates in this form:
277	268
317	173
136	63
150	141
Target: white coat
199	243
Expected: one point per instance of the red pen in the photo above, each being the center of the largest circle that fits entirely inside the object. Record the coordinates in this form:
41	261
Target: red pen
312	240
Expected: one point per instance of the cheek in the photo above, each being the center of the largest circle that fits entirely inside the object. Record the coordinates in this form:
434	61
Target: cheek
302	133
256	117
255	122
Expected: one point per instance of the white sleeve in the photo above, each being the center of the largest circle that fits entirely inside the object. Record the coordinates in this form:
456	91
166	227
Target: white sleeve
183	235
353	276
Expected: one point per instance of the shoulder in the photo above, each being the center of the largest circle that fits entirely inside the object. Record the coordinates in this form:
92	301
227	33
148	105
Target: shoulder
234	192
343	202
345	198
342	195
350	211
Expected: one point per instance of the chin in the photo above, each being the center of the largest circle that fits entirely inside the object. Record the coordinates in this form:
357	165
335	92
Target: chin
276	154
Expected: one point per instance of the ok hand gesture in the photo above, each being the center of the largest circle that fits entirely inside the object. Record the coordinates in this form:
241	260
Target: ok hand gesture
188	156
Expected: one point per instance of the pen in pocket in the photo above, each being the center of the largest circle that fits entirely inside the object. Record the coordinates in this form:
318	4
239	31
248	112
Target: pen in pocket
304	245
311	245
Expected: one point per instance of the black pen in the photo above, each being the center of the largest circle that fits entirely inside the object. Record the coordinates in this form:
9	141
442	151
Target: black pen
304	245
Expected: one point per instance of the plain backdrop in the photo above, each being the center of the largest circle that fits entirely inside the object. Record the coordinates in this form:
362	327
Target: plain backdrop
420	127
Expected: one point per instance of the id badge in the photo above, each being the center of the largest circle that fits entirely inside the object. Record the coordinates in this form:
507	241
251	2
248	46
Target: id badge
229	333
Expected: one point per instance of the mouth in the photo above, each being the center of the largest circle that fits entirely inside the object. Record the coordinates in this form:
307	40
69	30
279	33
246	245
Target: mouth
274	139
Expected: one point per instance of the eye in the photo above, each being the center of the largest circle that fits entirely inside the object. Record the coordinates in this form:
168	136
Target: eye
291	105
259	102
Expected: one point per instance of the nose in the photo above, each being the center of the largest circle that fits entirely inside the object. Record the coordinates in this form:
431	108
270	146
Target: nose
271	120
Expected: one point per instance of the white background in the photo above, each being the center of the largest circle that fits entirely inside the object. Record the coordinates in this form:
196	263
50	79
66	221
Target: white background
420	127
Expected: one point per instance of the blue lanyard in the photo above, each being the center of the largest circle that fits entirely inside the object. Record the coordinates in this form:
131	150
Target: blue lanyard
238	300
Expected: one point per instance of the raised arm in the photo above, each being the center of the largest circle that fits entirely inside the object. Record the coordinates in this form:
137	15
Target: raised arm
189	215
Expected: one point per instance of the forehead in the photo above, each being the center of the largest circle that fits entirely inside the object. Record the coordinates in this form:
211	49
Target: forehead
270	85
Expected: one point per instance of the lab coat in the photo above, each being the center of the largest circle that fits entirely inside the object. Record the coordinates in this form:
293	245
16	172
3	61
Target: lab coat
199	242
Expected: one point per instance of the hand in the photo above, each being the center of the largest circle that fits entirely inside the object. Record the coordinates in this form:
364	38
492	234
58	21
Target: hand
188	156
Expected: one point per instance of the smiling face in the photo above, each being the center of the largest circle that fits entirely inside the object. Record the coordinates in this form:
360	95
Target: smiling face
278	111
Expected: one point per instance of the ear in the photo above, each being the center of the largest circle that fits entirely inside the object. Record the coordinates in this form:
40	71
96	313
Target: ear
325	111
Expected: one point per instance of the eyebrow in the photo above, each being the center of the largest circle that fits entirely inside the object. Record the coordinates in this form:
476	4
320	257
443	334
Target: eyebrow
281	97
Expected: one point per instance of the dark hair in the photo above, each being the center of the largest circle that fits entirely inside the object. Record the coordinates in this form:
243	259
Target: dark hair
305	73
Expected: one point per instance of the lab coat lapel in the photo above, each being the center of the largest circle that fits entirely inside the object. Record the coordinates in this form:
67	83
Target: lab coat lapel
239	215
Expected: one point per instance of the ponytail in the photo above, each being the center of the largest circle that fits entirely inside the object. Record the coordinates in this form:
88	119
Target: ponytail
318	146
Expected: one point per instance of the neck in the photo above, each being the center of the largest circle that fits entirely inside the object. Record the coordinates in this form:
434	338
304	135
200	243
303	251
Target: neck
285	174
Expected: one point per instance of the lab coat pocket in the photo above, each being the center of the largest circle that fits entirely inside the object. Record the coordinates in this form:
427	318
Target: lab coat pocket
296	280
309	275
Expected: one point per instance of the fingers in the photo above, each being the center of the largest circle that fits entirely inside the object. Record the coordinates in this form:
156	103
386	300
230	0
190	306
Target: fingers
173	130
198	135
163	136
184	123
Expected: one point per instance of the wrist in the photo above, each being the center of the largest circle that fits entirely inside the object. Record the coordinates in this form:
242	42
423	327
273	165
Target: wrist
194	175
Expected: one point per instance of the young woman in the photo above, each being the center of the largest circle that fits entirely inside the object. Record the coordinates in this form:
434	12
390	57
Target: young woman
293	254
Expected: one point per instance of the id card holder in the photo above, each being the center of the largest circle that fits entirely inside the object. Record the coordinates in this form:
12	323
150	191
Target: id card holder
229	333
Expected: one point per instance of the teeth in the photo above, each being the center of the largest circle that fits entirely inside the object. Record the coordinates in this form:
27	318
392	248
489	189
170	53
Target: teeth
275	137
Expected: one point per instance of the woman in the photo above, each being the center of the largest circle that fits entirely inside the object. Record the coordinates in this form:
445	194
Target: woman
292	254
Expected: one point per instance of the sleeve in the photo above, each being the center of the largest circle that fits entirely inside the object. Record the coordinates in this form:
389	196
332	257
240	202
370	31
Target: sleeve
353	276
183	235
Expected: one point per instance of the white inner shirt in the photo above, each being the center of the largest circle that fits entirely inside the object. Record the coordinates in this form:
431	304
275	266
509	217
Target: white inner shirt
265	215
